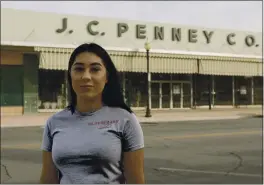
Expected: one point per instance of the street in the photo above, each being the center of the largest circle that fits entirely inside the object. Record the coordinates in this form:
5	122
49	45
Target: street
198	152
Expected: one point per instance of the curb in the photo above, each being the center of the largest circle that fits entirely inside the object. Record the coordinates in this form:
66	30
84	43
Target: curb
157	122
257	116
152	123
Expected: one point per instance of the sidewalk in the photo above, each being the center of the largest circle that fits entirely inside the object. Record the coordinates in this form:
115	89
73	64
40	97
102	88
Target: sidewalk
158	116
199	114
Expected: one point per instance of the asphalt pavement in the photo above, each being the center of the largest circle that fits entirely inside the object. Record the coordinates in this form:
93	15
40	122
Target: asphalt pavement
198	152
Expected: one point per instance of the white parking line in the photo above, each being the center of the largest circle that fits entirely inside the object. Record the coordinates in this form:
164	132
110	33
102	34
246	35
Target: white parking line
191	136
209	172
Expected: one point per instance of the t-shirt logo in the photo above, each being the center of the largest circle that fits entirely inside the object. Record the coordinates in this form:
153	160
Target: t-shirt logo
103	124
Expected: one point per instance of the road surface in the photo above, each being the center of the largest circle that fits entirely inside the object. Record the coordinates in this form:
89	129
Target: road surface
226	152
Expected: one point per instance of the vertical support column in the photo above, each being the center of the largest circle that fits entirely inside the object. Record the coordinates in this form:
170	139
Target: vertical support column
252	90
195	76
148	111
213	90
181	85
191	91
209	81
171	93
149	91
233	92
160	95
171	96
30	82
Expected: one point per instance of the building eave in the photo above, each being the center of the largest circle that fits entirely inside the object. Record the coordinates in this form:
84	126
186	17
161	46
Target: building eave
163	51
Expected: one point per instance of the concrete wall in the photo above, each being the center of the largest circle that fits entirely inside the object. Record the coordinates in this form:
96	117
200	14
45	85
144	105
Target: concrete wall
36	27
11	111
24	61
11	58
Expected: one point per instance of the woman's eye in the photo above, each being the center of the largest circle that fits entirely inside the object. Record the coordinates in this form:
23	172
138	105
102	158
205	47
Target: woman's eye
78	69
95	69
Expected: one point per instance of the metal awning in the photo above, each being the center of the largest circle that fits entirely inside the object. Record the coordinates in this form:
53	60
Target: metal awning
58	58
231	68
53	58
125	61
159	63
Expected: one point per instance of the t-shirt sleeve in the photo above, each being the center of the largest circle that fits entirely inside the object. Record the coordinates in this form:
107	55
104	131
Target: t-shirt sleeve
47	139
133	135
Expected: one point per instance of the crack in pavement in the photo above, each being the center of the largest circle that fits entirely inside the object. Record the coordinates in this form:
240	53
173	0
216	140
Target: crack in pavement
6	172
169	172
238	165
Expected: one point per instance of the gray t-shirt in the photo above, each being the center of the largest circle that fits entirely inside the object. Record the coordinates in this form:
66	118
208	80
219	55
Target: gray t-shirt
87	148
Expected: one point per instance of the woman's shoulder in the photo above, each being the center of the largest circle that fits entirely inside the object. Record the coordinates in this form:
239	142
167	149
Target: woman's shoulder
118	110
61	115
122	113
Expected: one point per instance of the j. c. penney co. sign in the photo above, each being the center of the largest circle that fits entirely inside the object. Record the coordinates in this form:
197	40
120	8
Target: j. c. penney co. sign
159	32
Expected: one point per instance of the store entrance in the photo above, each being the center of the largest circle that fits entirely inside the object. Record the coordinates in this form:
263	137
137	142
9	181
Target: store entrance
170	95
165	95
181	95
160	95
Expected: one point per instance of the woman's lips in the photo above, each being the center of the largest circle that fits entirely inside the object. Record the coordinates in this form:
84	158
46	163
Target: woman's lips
86	87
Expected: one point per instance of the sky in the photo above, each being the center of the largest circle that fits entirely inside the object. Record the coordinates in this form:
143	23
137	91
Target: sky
234	15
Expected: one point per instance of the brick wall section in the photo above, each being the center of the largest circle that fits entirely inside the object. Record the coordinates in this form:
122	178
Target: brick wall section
11	58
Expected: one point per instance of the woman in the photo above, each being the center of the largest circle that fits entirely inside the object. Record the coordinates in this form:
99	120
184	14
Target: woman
97	139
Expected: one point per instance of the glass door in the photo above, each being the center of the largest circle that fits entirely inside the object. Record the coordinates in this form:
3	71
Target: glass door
165	95
176	95
155	95
186	95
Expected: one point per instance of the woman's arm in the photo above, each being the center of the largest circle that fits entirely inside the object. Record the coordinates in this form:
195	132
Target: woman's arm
49	173
134	167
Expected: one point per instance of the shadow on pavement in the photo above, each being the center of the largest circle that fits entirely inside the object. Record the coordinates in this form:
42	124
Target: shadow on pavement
27	158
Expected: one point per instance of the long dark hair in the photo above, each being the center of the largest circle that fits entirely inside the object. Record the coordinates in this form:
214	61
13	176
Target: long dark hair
112	95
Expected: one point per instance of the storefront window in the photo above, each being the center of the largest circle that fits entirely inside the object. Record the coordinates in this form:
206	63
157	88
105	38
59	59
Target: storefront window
223	90
136	89
242	90
155	95
258	90
201	95
181	77
52	89
169	77
11	85
160	77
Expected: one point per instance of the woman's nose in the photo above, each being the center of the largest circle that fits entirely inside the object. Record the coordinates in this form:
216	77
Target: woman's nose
86	74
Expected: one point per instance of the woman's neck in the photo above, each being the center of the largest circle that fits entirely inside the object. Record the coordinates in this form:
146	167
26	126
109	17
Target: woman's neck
88	105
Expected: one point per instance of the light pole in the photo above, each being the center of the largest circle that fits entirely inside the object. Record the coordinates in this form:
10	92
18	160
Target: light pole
148	113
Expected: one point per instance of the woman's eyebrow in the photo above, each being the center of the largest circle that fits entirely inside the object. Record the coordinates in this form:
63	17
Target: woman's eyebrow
95	63
78	63
92	64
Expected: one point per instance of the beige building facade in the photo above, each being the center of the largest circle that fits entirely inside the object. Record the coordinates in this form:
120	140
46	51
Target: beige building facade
190	66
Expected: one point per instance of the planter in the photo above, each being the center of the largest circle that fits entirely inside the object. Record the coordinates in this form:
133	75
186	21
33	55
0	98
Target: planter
47	105
53	105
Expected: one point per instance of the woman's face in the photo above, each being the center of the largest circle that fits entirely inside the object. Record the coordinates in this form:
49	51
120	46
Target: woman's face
89	75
